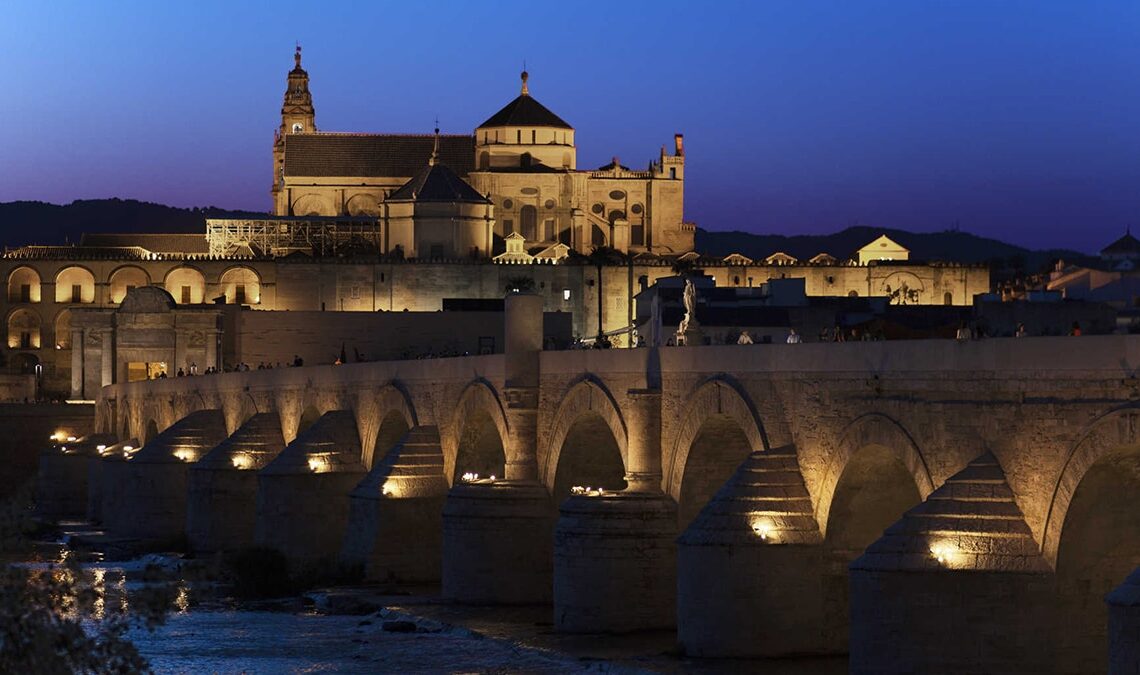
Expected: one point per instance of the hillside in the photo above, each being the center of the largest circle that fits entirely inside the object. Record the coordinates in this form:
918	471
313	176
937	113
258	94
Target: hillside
28	222
949	245
42	223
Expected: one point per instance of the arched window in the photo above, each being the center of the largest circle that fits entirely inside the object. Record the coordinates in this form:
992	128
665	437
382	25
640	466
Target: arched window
24	329
187	285
63	330
24	285
76	285
126	278
948	298
528	217
241	286
852	294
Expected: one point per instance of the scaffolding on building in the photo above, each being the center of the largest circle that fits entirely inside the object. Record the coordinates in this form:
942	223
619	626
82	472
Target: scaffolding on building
280	236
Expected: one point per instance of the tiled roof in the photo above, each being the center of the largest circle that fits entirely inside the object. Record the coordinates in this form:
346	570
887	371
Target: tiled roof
374	155
524	111
155	243
1125	245
437	183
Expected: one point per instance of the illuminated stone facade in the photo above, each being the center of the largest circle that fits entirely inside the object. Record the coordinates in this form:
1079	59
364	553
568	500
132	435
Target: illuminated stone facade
523	158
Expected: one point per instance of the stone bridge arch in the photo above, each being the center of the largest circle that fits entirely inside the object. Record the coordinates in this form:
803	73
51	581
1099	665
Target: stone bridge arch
870	430
719	408
588	397
1102	437
876	473
237	408
478	411
383	417
1092	531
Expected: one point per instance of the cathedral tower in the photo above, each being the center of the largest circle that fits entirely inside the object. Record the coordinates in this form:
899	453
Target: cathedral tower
297	117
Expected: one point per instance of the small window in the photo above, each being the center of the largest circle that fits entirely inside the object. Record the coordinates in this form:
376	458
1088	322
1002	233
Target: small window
186	295
76	293
533	136
518	137
25	340
354	292
948	299
239	294
25	292
565	293
673	173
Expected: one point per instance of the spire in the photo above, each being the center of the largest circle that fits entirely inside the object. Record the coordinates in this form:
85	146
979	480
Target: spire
525	75
435	148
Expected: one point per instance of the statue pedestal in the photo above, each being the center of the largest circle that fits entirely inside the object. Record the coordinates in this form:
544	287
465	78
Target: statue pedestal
692	336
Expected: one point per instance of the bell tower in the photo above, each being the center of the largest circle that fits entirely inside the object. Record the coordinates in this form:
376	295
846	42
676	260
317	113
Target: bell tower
297	117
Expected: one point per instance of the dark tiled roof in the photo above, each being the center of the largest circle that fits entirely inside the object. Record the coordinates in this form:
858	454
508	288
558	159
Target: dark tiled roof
155	243
374	155
437	183
1125	245
524	111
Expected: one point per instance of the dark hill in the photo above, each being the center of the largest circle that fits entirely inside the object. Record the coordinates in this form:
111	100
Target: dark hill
934	246
42	223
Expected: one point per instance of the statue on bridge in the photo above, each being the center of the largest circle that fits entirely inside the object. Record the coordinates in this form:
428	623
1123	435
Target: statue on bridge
689	332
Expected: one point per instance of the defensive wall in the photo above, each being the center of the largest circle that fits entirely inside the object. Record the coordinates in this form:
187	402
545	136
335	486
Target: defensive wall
982	494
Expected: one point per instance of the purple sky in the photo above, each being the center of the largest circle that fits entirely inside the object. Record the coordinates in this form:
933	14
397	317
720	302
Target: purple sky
1018	120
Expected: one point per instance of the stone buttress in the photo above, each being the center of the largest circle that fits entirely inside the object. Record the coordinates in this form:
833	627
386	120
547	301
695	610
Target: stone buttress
153	481
615	554
749	567
497	543
958	585
302	495
102	475
395	529
62	483
222	502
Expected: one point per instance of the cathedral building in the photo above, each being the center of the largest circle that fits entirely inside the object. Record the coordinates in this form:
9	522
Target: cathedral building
523	159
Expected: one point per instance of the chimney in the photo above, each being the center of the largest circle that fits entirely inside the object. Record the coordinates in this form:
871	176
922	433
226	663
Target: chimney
679	144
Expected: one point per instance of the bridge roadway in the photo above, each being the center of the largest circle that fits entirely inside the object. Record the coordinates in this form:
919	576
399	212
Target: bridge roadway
928	506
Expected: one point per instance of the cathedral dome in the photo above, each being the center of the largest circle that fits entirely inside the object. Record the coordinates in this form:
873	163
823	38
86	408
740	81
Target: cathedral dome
524	111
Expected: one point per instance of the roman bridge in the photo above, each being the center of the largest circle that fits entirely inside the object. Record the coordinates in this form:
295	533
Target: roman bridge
931	506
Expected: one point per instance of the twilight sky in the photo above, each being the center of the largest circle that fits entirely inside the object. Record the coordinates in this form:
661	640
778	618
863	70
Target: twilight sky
1013	119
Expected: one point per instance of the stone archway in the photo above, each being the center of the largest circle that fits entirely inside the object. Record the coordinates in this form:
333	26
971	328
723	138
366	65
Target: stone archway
479	432
1092	534
722	400
390	414
876	476
587	398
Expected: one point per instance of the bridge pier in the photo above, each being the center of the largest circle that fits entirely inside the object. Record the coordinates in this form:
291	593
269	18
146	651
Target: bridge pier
62	483
1124	627
302	495
957	585
101	478
152	482
615	563
750	565
497	544
222	502
615	556
395	530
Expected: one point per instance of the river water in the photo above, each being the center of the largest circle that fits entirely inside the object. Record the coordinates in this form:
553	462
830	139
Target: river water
352	630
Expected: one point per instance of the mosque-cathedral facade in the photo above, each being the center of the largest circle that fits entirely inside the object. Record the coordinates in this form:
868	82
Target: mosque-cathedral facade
395	222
